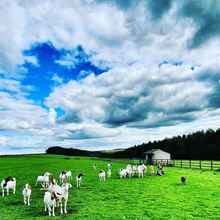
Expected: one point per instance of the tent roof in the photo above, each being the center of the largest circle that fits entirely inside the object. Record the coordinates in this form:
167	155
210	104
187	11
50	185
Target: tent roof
154	150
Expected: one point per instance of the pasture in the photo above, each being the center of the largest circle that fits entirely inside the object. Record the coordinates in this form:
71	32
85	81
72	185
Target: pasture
153	197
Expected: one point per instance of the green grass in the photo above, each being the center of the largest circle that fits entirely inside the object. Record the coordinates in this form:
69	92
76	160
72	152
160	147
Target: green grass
153	197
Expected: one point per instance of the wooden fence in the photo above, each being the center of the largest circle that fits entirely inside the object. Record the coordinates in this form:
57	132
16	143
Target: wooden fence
193	164
197	164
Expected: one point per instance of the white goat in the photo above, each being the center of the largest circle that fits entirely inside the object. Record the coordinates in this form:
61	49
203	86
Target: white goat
129	170
78	180
44	180
123	173
126	172
61	194
27	194
49	203
8	183
134	170
47	174
65	175
141	170
102	175
64	197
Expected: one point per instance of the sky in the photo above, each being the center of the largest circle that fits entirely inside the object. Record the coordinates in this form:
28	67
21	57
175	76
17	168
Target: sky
101	74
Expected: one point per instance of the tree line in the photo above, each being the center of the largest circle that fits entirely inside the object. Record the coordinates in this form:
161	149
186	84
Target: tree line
201	145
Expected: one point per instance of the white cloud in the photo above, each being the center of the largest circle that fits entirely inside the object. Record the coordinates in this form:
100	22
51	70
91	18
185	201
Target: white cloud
113	98
57	80
52	116
3	140
32	60
17	113
124	106
64	24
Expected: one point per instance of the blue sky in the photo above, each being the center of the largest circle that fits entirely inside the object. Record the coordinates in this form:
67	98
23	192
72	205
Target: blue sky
73	77
50	71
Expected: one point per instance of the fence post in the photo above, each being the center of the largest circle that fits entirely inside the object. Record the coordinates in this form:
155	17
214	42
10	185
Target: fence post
211	165
174	163
200	164
190	165
181	163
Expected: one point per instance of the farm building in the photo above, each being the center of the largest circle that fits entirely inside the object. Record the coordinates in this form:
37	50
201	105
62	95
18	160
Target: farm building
157	154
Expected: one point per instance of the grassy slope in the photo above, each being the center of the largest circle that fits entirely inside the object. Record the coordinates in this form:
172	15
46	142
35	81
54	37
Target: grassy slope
148	198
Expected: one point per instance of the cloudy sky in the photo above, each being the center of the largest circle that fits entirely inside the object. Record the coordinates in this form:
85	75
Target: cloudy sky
101	74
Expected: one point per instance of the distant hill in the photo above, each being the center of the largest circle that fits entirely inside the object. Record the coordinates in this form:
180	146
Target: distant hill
72	151
77	152
198	145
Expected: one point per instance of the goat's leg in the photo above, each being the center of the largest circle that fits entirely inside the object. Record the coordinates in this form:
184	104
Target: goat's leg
14	190
49	210
61	208
3	192
28	200
7	191
53	210
45	207
65	204
25	200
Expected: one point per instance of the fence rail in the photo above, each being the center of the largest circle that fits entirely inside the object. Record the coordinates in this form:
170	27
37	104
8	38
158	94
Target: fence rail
197	164
192	164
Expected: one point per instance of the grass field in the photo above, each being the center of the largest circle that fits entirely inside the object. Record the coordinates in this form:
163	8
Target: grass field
149	198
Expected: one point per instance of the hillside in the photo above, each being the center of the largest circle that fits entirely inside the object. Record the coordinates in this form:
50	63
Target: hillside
198	145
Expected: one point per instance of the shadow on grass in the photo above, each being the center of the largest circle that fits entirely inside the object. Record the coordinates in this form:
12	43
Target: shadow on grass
66	158
40	213
181	184
14	203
